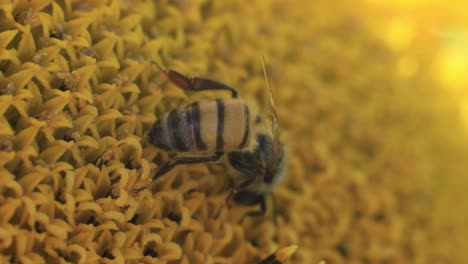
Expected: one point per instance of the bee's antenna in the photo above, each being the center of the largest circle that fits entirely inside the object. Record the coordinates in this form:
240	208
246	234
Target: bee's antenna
272	111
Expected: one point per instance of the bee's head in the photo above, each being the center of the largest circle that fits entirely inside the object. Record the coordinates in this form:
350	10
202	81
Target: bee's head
264	164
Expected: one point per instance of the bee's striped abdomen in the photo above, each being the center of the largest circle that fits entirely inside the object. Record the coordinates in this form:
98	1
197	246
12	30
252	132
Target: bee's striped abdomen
225	125
204	126
237	125
173	131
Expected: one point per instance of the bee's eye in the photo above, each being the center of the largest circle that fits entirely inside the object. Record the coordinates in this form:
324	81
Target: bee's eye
268	177
247	198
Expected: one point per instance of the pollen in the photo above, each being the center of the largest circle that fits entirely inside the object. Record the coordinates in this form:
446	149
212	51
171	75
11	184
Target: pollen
369	146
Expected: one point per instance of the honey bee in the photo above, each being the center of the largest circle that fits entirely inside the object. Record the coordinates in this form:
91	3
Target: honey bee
208	130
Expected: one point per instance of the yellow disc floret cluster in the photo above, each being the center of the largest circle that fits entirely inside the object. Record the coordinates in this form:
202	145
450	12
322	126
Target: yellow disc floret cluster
79	92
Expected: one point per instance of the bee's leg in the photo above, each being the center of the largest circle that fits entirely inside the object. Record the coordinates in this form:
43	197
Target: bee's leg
244	184
248	181
196	83
246	172
262	210
164	169
185	160
245	200
181	160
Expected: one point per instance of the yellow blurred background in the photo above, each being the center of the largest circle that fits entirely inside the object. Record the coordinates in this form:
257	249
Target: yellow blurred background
425	73
432	36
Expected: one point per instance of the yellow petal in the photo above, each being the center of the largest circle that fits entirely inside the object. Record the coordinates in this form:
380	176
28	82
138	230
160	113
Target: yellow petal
6	37
27	45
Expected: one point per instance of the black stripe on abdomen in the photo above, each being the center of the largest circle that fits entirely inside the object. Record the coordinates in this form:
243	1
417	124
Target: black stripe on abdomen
246	127
176	131
195	113
220	127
